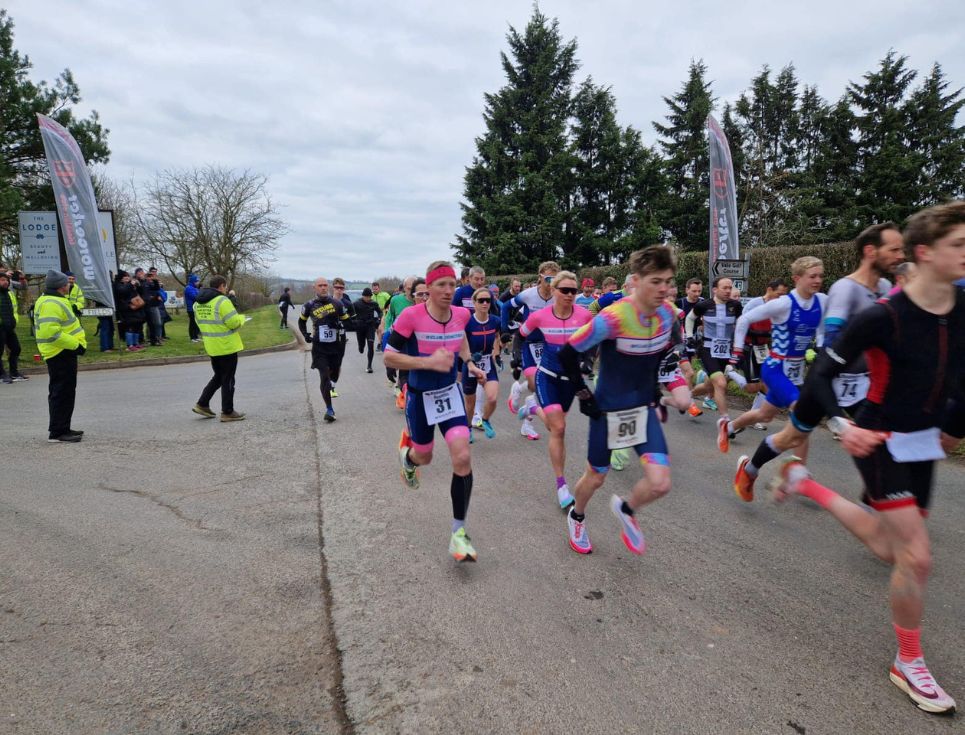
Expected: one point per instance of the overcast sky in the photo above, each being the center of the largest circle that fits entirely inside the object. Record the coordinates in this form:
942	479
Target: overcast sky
363	114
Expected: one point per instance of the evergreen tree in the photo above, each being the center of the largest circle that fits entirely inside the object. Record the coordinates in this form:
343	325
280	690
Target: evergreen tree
936	142
602	182
24	177
516	188
886	163
686	164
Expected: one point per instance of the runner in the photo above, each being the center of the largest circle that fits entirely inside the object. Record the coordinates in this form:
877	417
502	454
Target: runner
691	297
586	298
327	316
397	304
532	299
914	341
483	333
553	326
425	341
718	315
634	335
675	371
757	347
464	294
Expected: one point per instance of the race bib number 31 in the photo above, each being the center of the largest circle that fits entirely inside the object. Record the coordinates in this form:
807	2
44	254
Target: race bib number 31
443	404
627	428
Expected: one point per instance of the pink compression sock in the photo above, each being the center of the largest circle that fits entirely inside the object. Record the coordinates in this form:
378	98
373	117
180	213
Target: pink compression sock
909	643
818	493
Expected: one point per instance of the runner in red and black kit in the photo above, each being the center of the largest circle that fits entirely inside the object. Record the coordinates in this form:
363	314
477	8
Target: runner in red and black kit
914	343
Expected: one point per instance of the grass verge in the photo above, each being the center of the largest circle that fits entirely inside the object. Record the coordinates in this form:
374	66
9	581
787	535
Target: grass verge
261	331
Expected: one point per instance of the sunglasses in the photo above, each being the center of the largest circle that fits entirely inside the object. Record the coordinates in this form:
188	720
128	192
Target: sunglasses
568	290
547	279
421	294
484	301
339	288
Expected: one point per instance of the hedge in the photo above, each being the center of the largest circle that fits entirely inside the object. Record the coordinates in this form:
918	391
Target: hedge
839	259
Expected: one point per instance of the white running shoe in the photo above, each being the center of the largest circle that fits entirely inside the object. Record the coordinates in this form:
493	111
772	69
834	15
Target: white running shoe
528	430
736	377
630	532
760	427
915	680
579	538
477	421
564	497
515	392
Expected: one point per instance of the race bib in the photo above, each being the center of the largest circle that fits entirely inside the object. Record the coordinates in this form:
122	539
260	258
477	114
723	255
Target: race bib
668	372
485	363
626	428
720	348
917	446
794	370
326	334
851	388
761	352
443	404
536	350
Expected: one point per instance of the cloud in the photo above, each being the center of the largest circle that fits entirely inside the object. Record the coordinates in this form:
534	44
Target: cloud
364	114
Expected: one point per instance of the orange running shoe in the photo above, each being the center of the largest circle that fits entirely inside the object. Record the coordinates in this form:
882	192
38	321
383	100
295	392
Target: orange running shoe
723	439
400	398
694	410
744	483
409	472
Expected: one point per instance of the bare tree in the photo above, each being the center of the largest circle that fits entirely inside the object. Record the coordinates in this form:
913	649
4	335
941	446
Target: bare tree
120	199
213	219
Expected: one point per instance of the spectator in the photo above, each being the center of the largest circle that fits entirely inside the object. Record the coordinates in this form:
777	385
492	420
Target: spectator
152	299
163	308
75	294
8	329
130	310
367	318
190	296
284	304
18	281
105	330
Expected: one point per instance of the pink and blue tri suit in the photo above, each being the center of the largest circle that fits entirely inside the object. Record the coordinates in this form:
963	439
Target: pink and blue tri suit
482	338
418	334
554	391
632	346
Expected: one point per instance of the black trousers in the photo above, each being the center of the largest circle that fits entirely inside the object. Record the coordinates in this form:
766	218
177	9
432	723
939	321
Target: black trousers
366	336
224	367
62	369
8	339
193	331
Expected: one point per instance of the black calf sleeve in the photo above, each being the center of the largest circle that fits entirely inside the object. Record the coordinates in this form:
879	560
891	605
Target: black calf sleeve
460	490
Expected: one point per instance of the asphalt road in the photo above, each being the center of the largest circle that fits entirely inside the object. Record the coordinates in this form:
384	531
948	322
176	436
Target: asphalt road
169	574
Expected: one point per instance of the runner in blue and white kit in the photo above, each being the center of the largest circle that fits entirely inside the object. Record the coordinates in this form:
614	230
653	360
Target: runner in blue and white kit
796	322
532	299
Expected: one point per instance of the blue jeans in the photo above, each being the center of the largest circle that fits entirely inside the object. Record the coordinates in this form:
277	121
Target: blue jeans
154	324
105	325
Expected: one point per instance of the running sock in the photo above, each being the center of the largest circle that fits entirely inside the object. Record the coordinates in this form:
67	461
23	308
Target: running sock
909	643
626	509
758	401
460	490
764	454
818	493
578	517
456	525
560	482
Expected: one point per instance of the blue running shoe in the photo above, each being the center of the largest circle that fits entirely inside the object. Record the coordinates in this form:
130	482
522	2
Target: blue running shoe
488	429
710	404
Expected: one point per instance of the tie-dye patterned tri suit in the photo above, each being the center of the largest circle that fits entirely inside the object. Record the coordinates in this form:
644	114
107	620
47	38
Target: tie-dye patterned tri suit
632	346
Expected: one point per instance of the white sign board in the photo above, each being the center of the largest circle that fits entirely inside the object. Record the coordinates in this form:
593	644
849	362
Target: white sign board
38	242
105	221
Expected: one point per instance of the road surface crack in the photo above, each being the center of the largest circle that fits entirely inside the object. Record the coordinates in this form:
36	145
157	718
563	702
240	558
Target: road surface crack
178	513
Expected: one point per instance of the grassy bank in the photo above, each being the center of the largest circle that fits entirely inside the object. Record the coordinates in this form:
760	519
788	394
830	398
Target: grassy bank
261	331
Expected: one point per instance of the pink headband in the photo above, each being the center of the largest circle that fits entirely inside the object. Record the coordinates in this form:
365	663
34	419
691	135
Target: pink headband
443	271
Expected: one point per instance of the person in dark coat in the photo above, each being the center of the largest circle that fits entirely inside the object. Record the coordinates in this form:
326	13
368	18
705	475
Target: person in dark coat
129	314
284	304
368	316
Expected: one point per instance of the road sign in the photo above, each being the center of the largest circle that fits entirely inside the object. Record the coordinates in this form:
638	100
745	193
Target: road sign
730	269
740	284
38	242
99	311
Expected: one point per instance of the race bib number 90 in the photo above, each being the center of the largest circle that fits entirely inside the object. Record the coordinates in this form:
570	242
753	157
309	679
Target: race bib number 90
443	404
627	428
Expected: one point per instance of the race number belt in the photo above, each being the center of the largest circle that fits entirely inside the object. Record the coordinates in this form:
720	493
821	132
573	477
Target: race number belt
626	428
851	388
443	404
